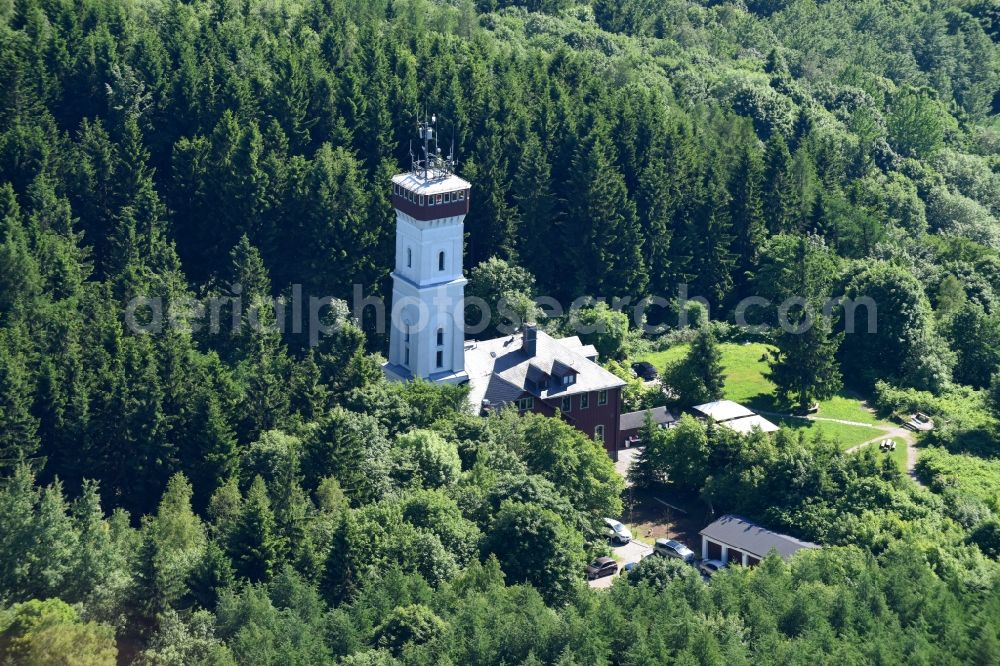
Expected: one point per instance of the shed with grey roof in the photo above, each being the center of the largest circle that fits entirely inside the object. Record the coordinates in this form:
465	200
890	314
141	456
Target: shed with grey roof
631	424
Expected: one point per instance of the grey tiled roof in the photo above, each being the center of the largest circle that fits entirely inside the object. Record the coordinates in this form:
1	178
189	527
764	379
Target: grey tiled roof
634	420
743	535
498	368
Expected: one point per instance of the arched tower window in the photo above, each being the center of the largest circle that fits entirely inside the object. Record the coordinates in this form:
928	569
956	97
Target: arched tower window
409	257
440	337
440	261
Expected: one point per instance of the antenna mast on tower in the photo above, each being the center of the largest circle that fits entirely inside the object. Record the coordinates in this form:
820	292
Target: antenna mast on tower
433	165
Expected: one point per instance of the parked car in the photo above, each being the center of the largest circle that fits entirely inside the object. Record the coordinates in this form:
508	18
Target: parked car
671	548
628	568
645	370
617	532
711	567
601	567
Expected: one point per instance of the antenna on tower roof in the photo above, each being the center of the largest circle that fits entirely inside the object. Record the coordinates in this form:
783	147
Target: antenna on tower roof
433	164
452	162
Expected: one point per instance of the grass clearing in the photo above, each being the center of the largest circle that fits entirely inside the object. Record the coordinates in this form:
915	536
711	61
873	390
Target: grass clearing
845	435
979	477
898	456
745	366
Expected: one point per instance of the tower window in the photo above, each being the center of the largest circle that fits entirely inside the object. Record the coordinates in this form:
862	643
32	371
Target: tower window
440	359
440	261
440	337
409	257
406	356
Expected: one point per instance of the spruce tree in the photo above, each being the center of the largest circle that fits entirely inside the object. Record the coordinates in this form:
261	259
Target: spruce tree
804	366
608	246
494	234
706	356
655	203
746	211
18	426
778	195
254	543
709	230
536	207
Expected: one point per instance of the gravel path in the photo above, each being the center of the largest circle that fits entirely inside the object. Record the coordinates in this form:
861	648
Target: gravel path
904	434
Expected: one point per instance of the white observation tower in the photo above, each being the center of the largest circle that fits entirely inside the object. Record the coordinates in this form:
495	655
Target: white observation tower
427	337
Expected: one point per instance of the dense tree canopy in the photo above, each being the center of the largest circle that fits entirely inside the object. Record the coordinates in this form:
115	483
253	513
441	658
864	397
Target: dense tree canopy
191	475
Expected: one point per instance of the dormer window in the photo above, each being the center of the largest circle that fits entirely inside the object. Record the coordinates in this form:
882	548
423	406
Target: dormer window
569	379
440	261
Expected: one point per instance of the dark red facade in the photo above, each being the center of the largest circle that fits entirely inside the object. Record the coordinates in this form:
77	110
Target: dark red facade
428	212
587	419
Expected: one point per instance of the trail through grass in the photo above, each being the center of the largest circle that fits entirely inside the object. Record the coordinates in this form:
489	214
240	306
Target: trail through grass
745	366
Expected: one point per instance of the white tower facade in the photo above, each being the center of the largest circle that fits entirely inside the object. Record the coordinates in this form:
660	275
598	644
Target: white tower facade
427	333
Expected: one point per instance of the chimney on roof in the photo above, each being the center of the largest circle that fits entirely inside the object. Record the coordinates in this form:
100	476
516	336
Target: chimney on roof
530	343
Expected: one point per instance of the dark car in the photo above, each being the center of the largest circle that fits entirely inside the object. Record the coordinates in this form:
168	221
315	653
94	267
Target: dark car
601	567
645	370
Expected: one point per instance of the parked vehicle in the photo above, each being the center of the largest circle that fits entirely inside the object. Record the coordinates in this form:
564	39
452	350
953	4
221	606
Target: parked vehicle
601	567
671	548
628	568
645	370
617	532
711	567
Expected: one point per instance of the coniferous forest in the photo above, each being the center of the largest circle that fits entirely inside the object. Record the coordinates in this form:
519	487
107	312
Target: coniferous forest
187	496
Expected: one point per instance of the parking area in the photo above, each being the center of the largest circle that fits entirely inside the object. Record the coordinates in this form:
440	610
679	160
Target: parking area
630	552
649	516
625	458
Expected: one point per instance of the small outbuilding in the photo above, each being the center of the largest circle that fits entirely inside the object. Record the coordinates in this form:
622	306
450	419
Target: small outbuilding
748	423
735	539
734	416
631	424
721	411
